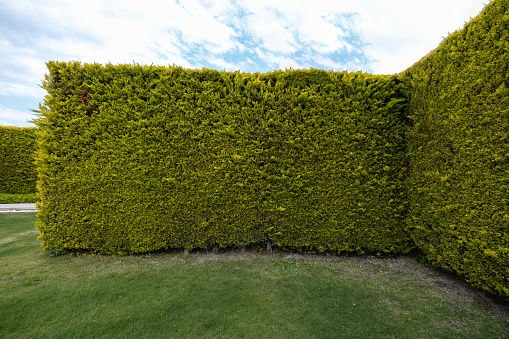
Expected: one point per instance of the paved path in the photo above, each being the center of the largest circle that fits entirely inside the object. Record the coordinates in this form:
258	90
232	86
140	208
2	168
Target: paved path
17	208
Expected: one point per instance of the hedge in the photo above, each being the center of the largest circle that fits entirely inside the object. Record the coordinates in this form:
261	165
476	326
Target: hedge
459	151
17	168
136	159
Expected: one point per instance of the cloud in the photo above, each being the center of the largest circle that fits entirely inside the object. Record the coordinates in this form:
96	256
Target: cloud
223	64
322	35
12	117
197	24
399	34
330	64
272	29
289	26
21	70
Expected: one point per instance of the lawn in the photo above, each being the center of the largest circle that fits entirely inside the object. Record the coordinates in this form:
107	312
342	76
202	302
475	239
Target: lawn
232	294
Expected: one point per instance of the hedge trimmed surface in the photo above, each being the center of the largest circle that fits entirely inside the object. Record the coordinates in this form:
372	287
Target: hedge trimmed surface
136	159
459	151
17	168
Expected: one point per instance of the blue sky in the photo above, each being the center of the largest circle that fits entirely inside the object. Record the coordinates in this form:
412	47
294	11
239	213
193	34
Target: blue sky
375	36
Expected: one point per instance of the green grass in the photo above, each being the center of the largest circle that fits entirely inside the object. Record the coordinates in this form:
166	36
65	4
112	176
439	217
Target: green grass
6	198
229	295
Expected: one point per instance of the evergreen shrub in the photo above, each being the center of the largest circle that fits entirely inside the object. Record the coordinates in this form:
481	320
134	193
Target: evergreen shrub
459	151
135	159
17	163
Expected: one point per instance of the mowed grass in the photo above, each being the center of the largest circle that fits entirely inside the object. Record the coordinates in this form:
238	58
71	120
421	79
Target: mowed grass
232	294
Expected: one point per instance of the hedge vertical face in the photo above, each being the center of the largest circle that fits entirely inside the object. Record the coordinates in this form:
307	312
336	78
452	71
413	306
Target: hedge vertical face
17	168
136	159
459	151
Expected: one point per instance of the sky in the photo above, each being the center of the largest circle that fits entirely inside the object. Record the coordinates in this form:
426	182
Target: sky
374	36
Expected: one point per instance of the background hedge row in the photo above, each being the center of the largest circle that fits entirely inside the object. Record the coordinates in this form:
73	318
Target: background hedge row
17	167
137	159
459	151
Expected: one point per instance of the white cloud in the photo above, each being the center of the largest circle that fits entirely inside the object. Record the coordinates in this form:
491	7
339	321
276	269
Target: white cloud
277	61
223	64
324	36
12	117
330	64
198	25
272	30
20	70
278	23
19	89
400	32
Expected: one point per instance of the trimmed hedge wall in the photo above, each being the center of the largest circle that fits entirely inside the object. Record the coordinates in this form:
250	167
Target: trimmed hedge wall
136	159
17	168
459	151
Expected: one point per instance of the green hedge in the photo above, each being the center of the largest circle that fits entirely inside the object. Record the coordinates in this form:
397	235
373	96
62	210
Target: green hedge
459	151
17	168
9	198
336	163
136	159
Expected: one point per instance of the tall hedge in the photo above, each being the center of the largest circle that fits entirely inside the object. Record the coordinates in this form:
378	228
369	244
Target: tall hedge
136	159
459	151
336	163
17	164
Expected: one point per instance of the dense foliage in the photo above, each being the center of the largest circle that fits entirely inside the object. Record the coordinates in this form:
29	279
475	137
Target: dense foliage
137	159
17	167
459	151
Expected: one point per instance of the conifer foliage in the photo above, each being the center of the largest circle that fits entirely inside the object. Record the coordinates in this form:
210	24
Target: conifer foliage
137	158
17	160
459	151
